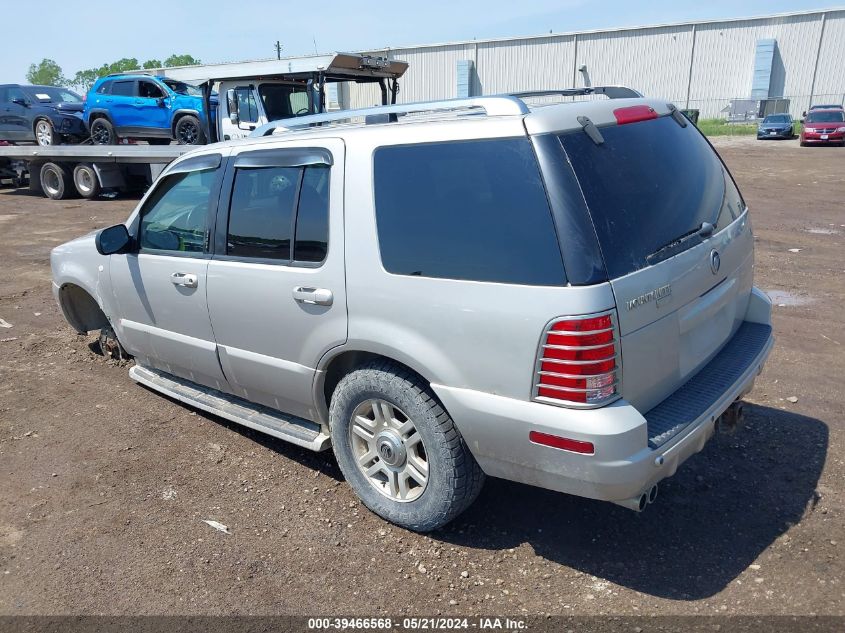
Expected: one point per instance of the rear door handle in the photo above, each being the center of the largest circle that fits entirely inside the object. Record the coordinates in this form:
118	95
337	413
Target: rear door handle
188	280
313	296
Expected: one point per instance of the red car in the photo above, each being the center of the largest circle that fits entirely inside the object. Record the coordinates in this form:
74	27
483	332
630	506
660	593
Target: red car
823	127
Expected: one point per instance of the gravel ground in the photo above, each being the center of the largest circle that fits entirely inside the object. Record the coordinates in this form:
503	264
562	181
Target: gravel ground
105	485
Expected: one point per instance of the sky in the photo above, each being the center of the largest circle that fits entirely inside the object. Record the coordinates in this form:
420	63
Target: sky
220	31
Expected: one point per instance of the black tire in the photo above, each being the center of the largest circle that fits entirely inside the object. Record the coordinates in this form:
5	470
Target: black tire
188	131
158	141
56	181
454	477
86	181
45	134
35	177
102	132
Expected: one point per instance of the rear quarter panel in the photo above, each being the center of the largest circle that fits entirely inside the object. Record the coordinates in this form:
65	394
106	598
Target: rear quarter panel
474	335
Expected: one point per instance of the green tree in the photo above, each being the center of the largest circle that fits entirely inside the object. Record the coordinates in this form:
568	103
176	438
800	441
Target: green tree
84	79
46	73
181	60
121	66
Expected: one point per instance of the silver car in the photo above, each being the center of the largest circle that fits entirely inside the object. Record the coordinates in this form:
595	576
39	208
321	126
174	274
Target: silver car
559	295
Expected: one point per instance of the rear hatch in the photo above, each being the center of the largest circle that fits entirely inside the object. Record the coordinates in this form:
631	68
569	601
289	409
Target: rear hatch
676	243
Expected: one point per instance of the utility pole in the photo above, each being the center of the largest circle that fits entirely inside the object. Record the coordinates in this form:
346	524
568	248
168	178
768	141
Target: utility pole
278	49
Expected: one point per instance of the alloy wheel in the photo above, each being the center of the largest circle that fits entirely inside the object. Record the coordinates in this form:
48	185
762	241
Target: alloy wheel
188	133
389	450
44	133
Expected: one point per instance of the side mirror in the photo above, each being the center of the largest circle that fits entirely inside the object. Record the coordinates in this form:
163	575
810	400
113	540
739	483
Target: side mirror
20	101
232	101
113	240
160	101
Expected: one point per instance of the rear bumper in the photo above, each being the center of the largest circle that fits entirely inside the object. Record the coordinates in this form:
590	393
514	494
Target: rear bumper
626	460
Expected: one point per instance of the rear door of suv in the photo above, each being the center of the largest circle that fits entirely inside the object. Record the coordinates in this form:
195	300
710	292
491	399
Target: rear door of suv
276	282
120	102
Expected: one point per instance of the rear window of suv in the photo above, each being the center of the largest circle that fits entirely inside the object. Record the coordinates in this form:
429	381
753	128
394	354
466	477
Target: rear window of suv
473	210
649	184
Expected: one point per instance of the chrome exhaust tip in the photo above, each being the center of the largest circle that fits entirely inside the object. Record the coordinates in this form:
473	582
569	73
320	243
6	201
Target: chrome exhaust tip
652	494
637	504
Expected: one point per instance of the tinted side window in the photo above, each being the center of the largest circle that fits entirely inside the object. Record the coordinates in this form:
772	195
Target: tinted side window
261	212
175	216
312	219
466	210
104	87
123	88
149	90
16	93
247	109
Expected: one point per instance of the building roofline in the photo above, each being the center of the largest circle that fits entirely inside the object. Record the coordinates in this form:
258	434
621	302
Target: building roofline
513	38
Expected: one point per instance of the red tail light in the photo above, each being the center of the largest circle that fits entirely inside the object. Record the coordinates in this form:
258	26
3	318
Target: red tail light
632	114
578	362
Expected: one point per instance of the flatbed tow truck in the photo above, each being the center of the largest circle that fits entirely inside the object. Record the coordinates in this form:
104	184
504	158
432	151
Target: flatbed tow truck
251	94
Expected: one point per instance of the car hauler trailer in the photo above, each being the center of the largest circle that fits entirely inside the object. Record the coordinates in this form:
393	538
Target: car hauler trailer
255	93
251	95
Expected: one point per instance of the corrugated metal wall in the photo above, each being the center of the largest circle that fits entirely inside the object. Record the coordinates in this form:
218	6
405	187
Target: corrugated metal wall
702	65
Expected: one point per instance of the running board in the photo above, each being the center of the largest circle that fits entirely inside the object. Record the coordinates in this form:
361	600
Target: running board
287	427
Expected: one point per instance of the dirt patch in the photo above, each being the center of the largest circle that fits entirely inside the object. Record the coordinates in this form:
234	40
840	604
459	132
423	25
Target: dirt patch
106	486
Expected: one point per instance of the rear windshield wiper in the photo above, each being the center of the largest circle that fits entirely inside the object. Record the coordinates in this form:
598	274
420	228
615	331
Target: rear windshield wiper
704	230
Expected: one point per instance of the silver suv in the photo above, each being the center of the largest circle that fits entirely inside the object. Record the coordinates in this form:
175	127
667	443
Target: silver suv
559	295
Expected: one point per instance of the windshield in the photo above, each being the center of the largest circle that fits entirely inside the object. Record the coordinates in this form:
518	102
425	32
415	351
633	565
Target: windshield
180	87
777	118
647	186
49	94
825	117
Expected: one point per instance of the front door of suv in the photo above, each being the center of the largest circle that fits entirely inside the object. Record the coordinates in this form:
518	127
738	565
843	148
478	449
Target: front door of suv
276	281
152	107
161	286
14	122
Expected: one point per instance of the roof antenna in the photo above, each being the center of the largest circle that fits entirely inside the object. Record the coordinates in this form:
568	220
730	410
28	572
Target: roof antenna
315	43
586	75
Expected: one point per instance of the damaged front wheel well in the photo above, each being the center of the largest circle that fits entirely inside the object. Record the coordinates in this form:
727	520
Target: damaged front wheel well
81	310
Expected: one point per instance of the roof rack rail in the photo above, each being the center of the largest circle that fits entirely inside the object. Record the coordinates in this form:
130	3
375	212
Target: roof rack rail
494	105
611	92
148	73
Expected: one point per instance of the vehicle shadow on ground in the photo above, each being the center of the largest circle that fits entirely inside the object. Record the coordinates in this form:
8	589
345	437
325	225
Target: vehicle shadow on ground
720	511
711	520
323	462
106	197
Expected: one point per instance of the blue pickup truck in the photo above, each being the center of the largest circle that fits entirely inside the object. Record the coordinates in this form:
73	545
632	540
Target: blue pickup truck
155	109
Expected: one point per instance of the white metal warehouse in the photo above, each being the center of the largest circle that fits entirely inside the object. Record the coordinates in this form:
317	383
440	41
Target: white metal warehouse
703	65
